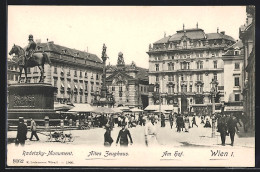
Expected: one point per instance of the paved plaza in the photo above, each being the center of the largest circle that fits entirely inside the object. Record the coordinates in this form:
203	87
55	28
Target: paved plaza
196	137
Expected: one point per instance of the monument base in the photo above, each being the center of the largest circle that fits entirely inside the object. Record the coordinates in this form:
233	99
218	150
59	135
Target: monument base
31	100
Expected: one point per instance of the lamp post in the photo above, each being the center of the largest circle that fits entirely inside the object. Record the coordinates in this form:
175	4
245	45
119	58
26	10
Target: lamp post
214	84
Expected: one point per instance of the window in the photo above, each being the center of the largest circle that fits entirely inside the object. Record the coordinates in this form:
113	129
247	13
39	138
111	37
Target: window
28	70
157	89
55	69
170	89
190	88
199	77
170	78
55	82
80	98
35	80
199	88
215	64
237	97
185	44
97	77
86	75
113	88
190	77
68	74
170	66
120	88
75	72
157	78
184	88
86	86
75	98
215	77
182	78
86	99
16	77
80	74
236	81
236	53
237	66
157	67
92	88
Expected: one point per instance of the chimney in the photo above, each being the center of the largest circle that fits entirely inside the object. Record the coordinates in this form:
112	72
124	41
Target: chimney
223	32
217	30
38	41
197	25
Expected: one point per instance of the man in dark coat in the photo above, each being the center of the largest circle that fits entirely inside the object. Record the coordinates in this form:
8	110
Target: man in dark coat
171	120
123	135
107	136
232	125
194	121
222	128
162	120
21	133
179	121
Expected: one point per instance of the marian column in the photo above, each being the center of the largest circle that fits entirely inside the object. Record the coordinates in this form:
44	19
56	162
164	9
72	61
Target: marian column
104	58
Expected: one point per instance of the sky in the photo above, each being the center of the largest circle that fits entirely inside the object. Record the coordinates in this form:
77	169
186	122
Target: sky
126	29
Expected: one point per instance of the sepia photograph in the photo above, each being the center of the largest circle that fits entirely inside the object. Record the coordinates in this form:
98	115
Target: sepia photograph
130	86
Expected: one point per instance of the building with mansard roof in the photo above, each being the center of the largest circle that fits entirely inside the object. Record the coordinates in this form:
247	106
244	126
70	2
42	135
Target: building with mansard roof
233	78
181	69
76	74
128	83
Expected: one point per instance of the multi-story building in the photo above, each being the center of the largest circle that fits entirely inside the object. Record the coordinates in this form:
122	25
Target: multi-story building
233	70
128	84
247	35
76	74
182	66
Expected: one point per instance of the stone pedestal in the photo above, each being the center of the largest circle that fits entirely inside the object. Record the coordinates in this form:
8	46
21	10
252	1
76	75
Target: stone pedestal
31	100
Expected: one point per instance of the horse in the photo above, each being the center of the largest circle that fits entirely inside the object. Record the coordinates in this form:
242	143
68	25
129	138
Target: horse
37	59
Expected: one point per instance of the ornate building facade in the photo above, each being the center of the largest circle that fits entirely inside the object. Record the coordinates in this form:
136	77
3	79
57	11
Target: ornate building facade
128	83
233	70
182	66
76	74
247	35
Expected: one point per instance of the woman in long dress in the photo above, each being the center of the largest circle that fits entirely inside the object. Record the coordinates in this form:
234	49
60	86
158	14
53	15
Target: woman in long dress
150	132
186	123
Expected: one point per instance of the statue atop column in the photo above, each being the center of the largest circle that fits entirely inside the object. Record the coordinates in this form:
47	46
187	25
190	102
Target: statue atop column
104	54
120	60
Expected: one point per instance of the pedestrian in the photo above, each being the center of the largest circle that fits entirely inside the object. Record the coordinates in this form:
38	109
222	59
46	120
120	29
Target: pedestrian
33	130
222	128
194	121
202	120
207	124
162	120
231	126
186	123
244	119
21	133
171	120
107	136
182	123
123	135
119	121
179	123
150	132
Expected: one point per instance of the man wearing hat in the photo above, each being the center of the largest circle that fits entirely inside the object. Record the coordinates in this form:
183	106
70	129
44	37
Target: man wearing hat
123	135
21	133
107	136
30	48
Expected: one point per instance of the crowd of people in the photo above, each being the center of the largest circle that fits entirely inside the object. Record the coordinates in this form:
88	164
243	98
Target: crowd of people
226	125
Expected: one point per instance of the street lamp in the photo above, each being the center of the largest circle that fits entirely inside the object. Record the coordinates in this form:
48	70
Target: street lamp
214	84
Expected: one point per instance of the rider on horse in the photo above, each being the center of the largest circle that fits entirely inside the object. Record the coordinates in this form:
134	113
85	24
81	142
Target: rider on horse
30	49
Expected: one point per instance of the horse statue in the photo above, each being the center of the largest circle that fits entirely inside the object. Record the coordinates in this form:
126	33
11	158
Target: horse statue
37	59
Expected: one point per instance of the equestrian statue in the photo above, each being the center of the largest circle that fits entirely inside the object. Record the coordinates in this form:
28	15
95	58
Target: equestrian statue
29	58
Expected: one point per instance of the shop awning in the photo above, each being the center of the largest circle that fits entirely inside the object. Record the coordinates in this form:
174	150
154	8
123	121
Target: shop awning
136	110
233	108
62	107
157	107
82	108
